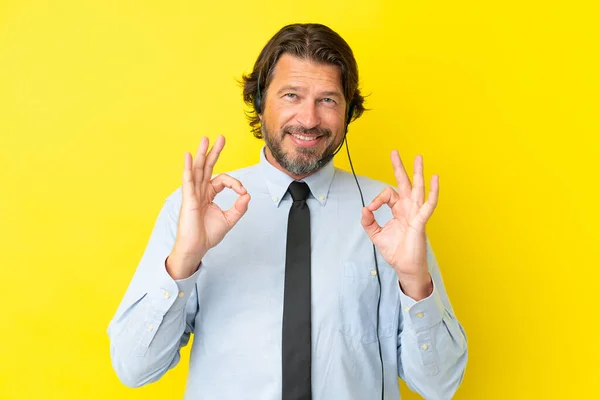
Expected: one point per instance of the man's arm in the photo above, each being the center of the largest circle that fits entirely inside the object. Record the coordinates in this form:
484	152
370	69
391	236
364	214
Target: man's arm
156	316
432	345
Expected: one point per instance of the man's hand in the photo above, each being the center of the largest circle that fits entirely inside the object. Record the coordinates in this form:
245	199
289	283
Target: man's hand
202	224
402	240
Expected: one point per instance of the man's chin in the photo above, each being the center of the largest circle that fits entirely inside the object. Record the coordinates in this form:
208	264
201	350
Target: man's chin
305	157
300	165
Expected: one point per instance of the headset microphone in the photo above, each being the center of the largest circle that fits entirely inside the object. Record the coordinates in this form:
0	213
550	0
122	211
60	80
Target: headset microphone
323	161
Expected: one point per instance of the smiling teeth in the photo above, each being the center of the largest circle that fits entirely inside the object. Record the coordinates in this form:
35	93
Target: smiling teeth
307	138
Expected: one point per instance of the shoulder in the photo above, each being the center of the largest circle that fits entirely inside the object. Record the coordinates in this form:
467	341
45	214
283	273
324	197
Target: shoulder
346	183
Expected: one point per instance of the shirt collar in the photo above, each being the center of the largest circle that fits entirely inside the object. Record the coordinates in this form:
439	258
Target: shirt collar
278	181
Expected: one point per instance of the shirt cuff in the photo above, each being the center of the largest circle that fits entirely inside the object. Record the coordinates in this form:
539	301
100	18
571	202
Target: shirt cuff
423	314
172	294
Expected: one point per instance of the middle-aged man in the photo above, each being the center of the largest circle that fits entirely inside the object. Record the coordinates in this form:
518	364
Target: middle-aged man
295	291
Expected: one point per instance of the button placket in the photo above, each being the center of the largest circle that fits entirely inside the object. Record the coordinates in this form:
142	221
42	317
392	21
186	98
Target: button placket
425	347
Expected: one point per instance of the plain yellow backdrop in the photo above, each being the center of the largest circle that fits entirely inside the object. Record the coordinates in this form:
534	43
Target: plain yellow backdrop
100	100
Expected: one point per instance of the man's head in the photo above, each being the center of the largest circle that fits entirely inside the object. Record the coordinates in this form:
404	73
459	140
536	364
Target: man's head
304	91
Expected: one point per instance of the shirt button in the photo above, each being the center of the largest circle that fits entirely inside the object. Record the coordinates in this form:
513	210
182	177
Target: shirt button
373	272
149	328
420	315
166	295
180	294
275	199
406	308
321	198
425	346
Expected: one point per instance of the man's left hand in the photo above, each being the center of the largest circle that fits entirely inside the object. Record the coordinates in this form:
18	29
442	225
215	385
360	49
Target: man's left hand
402	240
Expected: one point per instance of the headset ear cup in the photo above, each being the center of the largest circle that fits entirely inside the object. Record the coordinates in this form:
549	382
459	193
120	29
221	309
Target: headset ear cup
258	96
257	102
350	114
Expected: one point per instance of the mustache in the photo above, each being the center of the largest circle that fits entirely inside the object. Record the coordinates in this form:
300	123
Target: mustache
296	129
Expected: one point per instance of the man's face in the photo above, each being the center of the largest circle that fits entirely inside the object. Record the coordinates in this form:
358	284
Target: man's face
304	114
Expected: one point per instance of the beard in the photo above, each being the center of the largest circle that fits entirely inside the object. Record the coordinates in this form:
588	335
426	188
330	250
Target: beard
303	161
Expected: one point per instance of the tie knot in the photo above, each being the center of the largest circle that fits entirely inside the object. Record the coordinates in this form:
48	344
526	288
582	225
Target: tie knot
299	190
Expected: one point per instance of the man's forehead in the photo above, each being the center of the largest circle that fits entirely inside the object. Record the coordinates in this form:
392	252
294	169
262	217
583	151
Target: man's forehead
300	70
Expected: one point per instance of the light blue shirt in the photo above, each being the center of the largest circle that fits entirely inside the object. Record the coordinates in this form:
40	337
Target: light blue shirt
233	304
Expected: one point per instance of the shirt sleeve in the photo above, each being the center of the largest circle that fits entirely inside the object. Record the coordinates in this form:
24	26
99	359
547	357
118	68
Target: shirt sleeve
156	315
432	345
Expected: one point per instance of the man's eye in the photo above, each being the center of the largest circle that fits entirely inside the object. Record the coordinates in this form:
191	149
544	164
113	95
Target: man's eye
328	100
290	95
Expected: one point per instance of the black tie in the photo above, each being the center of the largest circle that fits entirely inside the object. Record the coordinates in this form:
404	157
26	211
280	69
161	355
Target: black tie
296	340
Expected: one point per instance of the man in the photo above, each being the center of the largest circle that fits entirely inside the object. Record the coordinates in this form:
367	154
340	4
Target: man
281	290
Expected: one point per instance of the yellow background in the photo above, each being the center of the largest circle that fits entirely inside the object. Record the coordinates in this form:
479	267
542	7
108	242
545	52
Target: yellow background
99	101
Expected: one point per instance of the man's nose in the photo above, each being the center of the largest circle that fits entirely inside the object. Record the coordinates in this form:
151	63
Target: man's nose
308	115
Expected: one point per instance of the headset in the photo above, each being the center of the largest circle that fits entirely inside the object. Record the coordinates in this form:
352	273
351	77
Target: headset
349	114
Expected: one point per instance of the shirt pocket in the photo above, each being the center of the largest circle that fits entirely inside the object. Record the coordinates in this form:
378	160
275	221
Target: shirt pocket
359	296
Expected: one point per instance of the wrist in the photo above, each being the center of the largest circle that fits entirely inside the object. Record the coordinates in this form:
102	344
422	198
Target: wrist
181	266
416	287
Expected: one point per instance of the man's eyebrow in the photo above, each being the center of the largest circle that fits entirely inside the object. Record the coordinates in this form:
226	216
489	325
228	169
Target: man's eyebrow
331	93
290	88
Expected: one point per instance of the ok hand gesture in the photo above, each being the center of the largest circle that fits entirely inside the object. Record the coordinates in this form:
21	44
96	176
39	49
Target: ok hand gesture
202	224
402	240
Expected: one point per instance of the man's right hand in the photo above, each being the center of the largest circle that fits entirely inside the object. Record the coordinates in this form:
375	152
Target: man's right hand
202	224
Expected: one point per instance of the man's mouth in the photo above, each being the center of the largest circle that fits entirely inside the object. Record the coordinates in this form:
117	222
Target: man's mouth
305	137
304	140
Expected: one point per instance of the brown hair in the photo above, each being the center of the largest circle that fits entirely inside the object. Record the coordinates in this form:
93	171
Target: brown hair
313	42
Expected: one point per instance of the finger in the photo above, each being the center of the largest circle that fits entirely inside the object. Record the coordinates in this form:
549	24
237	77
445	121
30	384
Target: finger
212	157
387	196
418	190
427	209
239	208
404	185
198	167
187	180
223	181
369	223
